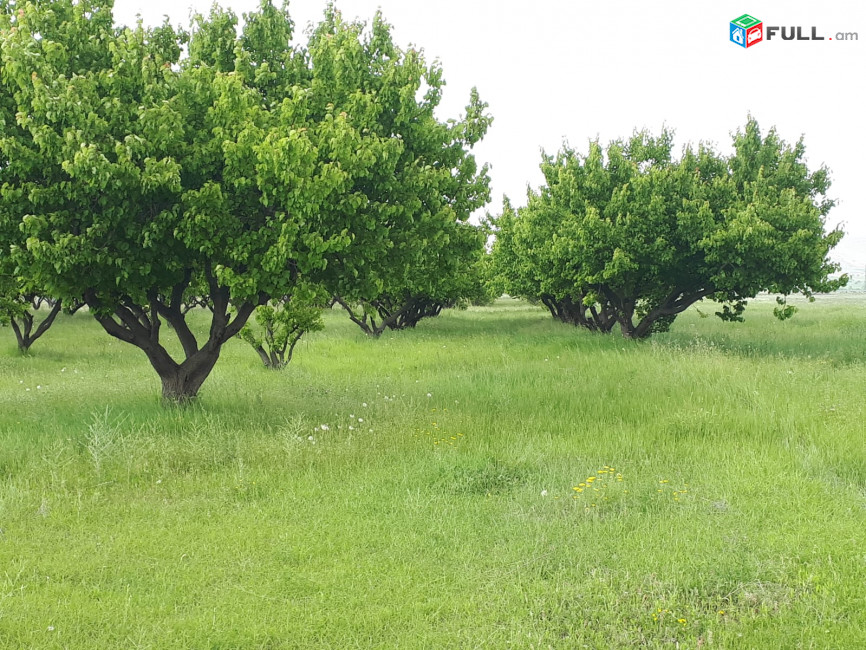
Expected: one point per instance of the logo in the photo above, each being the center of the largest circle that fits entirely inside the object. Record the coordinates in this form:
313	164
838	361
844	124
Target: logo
746	31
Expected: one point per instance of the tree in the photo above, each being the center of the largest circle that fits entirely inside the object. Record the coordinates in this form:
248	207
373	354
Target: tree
20	299
526	264
142	178
281	324
450	277
630	236
424	201
20	310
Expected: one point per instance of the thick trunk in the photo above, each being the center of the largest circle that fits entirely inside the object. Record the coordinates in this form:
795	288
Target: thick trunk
181	382
552	307
140	326
627	329
657	319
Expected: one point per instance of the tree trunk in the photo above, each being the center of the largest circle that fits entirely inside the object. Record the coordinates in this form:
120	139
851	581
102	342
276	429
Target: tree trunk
181	382
24	331
676	303
361	321
139	324
263	355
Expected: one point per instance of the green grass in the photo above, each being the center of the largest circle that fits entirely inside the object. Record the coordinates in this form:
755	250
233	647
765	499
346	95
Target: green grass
448	517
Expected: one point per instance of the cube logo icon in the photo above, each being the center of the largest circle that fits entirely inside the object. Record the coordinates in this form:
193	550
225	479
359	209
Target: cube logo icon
746	31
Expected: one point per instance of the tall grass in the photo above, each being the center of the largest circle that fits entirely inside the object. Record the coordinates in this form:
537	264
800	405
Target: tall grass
437	506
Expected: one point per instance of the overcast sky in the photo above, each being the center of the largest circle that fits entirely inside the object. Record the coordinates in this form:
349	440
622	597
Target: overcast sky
555	69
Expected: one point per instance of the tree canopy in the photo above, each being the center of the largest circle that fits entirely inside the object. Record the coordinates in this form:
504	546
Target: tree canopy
629	235
423	200
141	177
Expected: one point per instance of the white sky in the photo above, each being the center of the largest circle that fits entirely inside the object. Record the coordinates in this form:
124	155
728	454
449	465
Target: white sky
554	69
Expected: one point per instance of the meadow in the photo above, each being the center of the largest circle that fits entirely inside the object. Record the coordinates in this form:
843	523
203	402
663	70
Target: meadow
491	479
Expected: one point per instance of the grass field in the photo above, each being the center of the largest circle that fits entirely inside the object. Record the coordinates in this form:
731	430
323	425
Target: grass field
491	479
